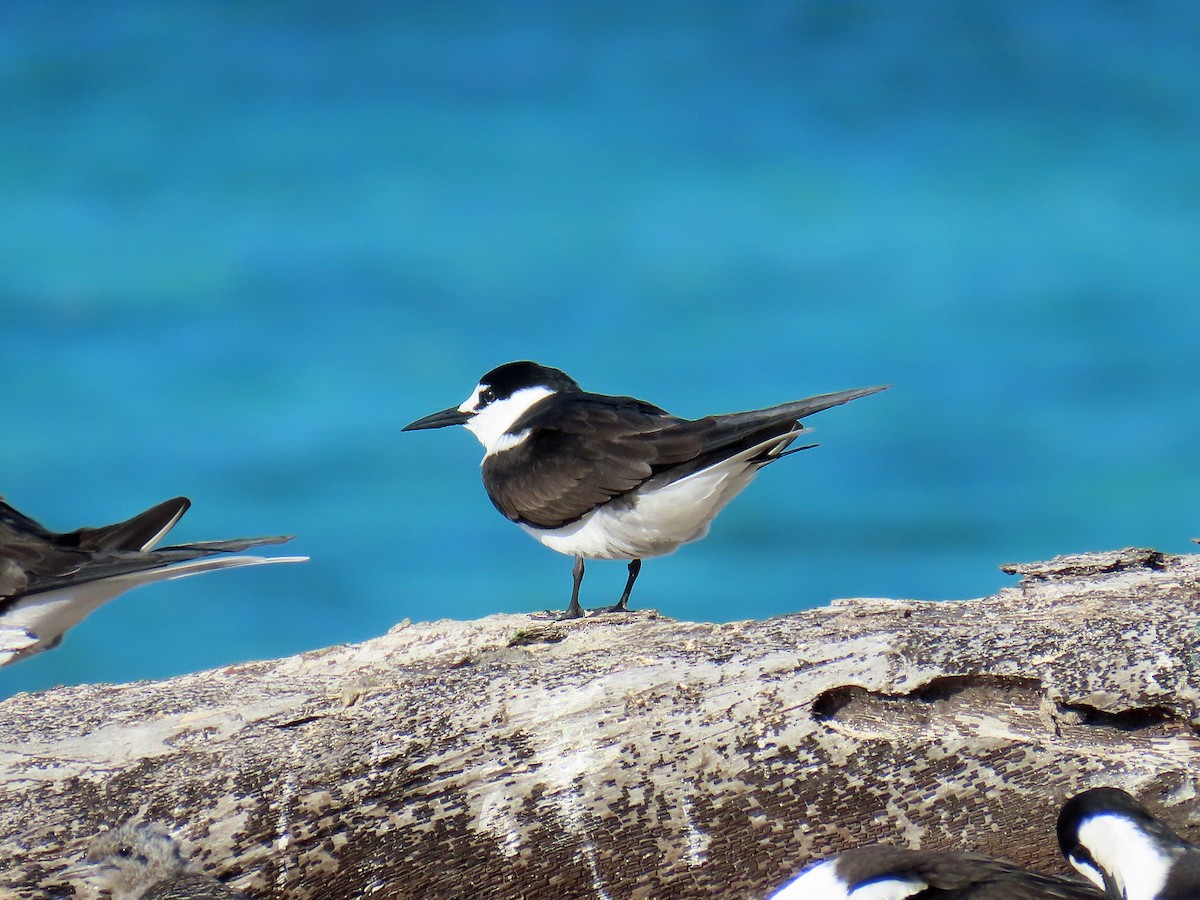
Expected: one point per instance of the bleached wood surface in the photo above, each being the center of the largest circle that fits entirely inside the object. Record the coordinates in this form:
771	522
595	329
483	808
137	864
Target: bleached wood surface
632	757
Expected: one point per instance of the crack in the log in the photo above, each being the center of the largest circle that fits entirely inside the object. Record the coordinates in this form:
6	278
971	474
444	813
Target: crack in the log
303	720
829	704
533	635
1138	718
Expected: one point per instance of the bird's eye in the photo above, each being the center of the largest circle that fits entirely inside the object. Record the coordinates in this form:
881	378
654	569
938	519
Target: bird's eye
487	396
125	852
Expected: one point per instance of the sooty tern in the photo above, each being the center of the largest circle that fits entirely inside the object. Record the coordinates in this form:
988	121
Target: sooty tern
884	872
600	477
49	582
1114	842
141	861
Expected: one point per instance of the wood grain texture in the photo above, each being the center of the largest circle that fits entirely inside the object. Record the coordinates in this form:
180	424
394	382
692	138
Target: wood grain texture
632	757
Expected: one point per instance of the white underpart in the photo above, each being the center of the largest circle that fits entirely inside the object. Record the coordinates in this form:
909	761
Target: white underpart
661	515
1135	861
14	639
822	882
491	424
47	614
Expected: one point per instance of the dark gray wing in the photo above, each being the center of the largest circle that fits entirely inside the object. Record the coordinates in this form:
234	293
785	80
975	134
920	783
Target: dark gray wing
58	568
26	553
726	435
132	534
585	449
582	450
141	532
1184	880
974	877
958	876
34	559
12	520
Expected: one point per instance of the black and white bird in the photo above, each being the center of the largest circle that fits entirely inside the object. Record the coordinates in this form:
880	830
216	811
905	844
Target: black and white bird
884	872
142	861
49	581
1114	842
600	477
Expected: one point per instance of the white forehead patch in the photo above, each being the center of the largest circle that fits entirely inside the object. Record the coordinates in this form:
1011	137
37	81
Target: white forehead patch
492	423
471	402
1134	860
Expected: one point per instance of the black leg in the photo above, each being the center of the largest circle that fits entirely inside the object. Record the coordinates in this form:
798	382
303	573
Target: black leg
575	611
635	566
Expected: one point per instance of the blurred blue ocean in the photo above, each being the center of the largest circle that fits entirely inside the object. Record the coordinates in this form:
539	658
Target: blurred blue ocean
241	245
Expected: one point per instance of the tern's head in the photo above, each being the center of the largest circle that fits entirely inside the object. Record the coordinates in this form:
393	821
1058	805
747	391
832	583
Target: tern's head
1118	846
873	872
128	860
502	396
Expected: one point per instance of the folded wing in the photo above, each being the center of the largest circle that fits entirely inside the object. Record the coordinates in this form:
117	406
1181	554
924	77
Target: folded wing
575	451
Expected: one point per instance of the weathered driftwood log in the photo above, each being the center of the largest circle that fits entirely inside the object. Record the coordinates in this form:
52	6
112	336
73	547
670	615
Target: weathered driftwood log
632	757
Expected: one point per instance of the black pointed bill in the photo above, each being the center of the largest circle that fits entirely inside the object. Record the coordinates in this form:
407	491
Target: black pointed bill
451	416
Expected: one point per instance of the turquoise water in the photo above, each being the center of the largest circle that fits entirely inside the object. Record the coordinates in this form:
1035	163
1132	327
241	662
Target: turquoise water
242	245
